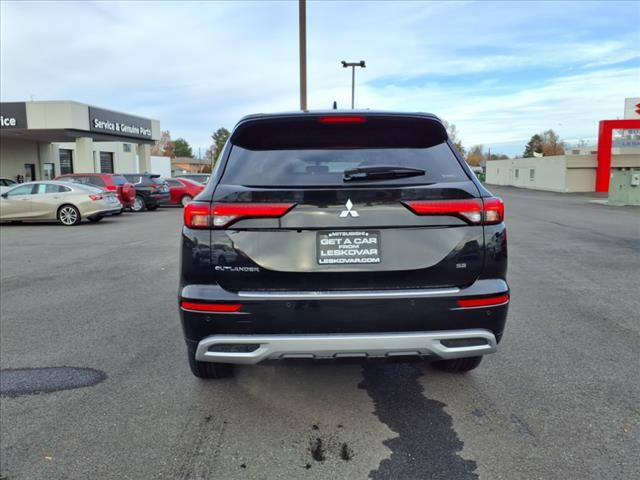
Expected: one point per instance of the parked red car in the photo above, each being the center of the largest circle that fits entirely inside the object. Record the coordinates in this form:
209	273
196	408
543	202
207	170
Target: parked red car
183	190
125	191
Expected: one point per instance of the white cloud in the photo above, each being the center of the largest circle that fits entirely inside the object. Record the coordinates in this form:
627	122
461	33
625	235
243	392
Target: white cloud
198	66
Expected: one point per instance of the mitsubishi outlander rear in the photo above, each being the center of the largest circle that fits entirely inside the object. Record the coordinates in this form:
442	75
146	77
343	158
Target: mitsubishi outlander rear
331	235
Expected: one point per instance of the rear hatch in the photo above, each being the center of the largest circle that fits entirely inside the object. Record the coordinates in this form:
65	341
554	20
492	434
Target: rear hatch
316	203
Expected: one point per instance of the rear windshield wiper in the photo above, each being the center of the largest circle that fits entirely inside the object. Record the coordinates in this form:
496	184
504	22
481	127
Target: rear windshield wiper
380	172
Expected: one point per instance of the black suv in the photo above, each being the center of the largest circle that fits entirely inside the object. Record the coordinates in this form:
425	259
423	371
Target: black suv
332	235
151	191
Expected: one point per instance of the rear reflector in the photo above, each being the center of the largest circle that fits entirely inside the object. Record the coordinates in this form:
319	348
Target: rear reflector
343	119
221	215
211	307
483	302
475	211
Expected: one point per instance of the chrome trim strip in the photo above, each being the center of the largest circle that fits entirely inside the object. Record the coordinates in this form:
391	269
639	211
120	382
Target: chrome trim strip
349	294
275	347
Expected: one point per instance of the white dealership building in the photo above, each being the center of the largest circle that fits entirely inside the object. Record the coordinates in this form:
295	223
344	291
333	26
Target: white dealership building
40	140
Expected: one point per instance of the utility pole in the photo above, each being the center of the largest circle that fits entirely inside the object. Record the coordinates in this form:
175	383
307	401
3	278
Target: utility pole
302	21
353	66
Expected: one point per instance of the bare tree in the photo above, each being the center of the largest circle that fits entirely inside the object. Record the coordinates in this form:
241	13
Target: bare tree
476	155
160	146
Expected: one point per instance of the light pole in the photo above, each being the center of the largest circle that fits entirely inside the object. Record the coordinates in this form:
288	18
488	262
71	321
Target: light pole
353	66
302	30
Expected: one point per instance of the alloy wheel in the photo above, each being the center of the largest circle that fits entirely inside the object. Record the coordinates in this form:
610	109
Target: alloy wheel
138	204
68	215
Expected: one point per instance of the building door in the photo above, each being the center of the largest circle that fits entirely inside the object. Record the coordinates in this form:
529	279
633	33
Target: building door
29	172
48	171
66	161
106	162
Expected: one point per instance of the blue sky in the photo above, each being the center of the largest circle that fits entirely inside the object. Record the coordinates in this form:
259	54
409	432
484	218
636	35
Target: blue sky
500	71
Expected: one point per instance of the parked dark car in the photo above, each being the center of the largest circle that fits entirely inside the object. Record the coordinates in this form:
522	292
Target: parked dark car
151	191
197	177
355	235
183	190
125	191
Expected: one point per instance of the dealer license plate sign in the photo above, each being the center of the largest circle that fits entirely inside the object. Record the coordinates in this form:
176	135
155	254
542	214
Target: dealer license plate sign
348	247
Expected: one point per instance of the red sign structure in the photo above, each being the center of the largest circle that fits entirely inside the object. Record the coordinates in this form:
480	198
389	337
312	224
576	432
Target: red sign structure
605	141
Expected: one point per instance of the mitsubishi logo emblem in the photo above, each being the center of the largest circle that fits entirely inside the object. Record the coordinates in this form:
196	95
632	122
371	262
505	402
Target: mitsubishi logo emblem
349	211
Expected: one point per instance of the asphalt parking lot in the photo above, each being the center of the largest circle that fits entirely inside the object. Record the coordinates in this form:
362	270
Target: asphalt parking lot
559	399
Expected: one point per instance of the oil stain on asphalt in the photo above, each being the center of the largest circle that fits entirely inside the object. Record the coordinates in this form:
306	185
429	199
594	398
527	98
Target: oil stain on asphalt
28	381
426	445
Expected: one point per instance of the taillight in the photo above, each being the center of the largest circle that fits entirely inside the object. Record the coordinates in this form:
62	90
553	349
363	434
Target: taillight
468	210
221	215
211	307
197	215
113	188
95	197
493	210
343	119
475	211
483	302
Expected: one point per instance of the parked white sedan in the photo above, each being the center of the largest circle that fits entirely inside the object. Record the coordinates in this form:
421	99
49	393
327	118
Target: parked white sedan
6	184
68	203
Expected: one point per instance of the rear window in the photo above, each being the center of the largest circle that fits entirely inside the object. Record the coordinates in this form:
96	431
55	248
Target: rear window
118	179
315	150
133	178
325	167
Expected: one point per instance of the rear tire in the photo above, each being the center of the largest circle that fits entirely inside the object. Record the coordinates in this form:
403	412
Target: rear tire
68	215
209	370
138	204
458	365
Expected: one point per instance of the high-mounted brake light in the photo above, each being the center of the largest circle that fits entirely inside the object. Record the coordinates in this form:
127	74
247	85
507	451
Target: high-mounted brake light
211	307
221	215
343	119
475	211
483	302
112	188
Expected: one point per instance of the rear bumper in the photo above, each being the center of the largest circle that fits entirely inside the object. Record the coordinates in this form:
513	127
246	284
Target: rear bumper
414	320
251	349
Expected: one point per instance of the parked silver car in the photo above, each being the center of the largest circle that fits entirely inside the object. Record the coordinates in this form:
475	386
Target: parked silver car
6	184
66	202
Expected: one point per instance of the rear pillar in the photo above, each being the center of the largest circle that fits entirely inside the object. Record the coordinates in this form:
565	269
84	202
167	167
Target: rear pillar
83	160
144	158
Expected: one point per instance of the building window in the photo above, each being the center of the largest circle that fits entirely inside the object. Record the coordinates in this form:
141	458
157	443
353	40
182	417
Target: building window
48	171
66	161
126	147
517	173
532	174
106	162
